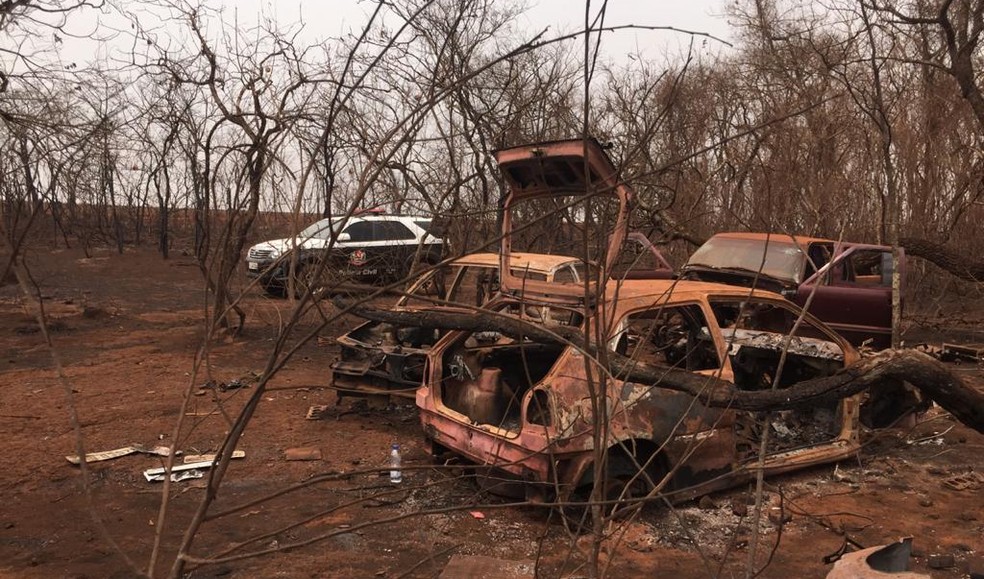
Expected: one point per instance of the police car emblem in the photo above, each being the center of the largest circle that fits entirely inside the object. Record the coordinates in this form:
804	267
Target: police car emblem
358	258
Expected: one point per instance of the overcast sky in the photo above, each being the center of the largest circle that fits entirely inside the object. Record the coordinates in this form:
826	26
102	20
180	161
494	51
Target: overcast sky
321	20
325	19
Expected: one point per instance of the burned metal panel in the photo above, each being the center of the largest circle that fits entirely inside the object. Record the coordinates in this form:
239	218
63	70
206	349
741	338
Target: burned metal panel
377	357
853	293
577	174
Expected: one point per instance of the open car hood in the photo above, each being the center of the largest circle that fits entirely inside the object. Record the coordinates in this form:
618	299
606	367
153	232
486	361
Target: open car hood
575	173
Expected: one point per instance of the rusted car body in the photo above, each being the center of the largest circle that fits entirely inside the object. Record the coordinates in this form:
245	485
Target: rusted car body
850	283
533	410
378	358
526	408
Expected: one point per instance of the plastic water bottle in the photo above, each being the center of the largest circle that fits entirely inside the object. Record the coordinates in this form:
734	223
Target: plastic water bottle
396	475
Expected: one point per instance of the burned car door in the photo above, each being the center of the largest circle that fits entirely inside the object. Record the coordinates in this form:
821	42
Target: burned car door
697	442
852	292
769	346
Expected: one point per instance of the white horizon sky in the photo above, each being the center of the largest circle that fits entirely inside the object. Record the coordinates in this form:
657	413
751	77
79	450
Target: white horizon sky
330	19
324	20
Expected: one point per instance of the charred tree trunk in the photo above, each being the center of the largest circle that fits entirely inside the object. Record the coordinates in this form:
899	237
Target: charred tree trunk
960	265
932	378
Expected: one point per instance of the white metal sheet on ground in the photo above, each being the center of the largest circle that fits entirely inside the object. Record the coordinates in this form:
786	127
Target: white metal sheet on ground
151	474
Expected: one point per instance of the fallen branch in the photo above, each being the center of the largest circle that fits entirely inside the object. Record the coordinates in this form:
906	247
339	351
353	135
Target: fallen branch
963	266
922	371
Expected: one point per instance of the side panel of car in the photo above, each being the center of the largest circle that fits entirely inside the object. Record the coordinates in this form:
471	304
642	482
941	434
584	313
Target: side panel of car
379	249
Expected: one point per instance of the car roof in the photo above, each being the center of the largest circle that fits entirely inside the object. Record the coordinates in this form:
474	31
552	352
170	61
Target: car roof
773	237
633	294
538	262
389	217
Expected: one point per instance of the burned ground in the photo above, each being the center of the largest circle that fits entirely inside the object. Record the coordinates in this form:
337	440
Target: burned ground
126	329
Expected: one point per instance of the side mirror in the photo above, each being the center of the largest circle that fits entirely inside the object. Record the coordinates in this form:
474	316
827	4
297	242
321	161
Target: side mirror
342	237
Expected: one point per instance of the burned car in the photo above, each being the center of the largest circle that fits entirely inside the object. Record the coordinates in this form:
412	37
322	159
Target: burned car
850	283
379	358
529	408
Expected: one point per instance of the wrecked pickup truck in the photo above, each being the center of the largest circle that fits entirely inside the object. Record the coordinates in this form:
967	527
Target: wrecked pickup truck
850	283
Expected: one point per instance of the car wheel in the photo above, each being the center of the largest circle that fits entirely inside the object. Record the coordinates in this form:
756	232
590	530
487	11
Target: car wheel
307	277
416	266
621	491
623	487
274	290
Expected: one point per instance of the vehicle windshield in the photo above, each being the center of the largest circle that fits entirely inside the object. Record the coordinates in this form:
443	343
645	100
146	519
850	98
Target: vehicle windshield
783	259
320	229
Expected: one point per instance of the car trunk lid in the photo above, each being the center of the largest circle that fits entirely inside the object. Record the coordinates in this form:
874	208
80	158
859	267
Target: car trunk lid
565	197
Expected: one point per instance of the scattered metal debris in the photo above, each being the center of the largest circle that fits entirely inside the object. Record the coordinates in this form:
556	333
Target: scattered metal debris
235	384
177	476
881	561
935	438
157	474
966	352
324	412
968	481
118	452
211	457
317	412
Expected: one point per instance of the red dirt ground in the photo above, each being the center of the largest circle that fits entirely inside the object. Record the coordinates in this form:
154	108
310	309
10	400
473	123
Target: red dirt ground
126	329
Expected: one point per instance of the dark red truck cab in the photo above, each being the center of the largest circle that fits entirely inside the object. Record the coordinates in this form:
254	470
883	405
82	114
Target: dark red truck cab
850	283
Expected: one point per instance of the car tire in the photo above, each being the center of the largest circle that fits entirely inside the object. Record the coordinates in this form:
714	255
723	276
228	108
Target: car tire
308	276
274	290
621	484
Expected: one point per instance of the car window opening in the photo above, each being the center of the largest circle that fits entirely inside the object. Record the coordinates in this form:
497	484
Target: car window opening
486	375
755	334
670	336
